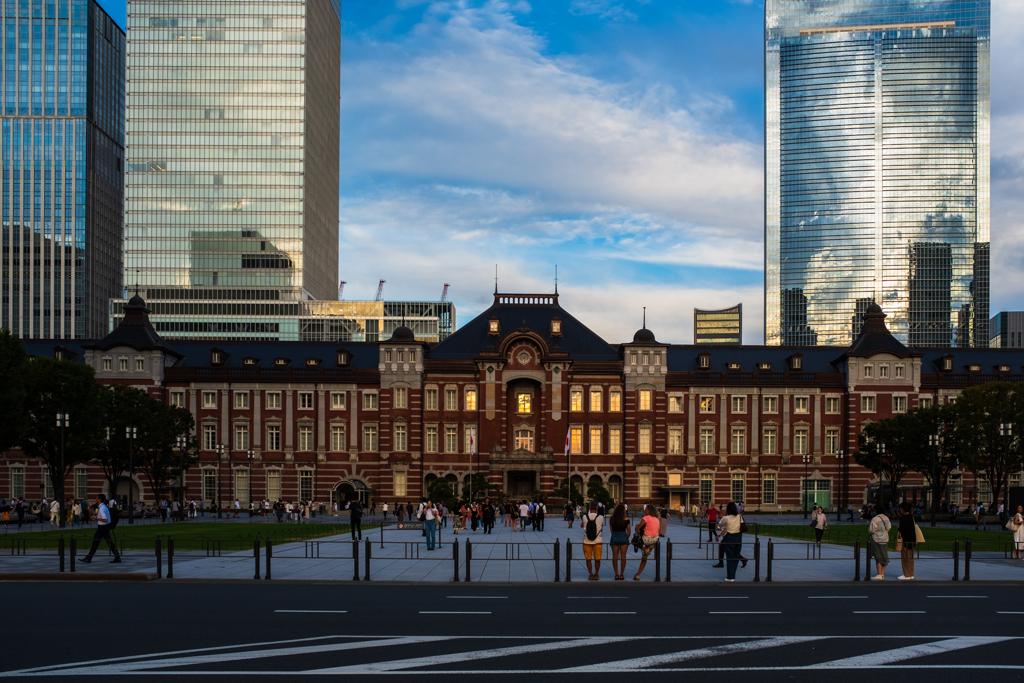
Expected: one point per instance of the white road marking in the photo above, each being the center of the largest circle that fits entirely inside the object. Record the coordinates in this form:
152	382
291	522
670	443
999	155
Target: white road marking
434	660
599	612
454	612
895	611
911	651
596	597
1009	612
312	611
837	597
132	667
957	596
688	655
478	597
719	597
744	612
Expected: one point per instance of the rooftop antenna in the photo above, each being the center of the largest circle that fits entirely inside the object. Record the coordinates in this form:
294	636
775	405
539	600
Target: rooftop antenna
556	278
495	278
645	317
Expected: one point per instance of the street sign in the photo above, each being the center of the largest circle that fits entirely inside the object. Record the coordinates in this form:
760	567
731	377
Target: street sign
409	525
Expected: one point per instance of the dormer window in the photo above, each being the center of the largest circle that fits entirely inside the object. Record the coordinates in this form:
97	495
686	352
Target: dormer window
946	363
733	366
493	326
796	362
312	362
282	362
704	361
974	368
556	327
343	358
216	357
1003	368
764	367
250	361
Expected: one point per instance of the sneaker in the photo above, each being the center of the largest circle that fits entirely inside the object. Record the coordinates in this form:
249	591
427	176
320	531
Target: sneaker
87	560
878	578
116	560
730	580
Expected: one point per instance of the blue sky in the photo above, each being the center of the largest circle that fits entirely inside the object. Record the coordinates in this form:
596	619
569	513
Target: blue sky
621	140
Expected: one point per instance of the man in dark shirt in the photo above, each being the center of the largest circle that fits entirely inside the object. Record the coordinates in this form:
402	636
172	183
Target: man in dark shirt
356	511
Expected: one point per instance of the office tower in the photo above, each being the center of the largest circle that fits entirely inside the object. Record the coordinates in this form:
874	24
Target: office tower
233	153
1007	329
62	111
877	169
724	327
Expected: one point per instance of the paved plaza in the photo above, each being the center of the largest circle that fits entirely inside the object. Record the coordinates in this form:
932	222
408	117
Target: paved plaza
517	556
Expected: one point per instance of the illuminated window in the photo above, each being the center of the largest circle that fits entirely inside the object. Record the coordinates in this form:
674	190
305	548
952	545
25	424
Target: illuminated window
644	482
209	399
576	400
595	440
400	483
615	401
470	399
645	399
707	404
575	440
595	400
675	440
241	437
614	440
675	404
524	440
523	401
401	397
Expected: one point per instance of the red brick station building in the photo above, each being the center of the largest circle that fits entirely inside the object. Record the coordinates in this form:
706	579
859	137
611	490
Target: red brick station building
501	396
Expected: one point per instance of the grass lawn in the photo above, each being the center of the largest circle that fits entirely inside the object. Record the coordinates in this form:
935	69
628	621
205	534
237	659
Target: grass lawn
188	536
937	539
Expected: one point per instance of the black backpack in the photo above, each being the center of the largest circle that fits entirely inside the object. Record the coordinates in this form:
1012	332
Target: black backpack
115	517
591	528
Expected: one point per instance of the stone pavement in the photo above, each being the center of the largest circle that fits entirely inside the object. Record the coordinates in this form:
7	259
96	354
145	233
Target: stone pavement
507	556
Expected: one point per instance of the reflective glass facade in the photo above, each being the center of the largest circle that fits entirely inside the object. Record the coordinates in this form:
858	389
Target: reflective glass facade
62	122
233	144
724	327
877	169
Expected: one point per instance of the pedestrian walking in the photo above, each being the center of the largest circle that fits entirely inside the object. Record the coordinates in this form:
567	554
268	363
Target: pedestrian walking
54	513
849	509
430	524
646	537
619	541
906	539
1017	526
819	520
541	513
356	521
712	516
488	516
104	523
592	524
662	521
385	509
524	514
568	514
731	538
878	541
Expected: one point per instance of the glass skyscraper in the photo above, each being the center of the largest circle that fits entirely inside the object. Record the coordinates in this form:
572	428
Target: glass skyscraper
62	119
233	150
877	169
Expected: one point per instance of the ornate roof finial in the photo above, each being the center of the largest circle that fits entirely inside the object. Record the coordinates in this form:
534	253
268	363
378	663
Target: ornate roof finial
645	318
556	278
495	278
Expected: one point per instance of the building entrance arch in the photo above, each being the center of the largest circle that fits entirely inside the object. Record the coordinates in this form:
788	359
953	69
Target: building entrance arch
351	489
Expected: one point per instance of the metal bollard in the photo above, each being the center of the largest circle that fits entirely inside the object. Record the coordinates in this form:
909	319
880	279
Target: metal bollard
170	557
867	562
557	560
366	572
60	551
967	560
956	559
771	555
469	558
355	560
270	554
668	561
455	557
757	559
856	560
568	561
256	557
74	551
657	562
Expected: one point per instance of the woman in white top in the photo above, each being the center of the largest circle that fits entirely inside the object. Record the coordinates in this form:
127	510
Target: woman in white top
819	520
430	524
729	528
1018	532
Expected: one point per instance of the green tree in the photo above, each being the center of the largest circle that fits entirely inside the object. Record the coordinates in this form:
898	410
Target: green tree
60	387
938	426
563	492
125	407
12	390
990	419
890	447
597	491
479	488
440	491
165	443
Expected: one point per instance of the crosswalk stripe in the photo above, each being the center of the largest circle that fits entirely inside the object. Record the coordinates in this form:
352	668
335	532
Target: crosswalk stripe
434	660
912	651
687	655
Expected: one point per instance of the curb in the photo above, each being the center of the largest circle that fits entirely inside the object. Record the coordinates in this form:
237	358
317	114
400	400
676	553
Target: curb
67	576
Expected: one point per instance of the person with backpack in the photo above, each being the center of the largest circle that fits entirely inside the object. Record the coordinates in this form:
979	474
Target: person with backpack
593	524
878	541
541	511
105	523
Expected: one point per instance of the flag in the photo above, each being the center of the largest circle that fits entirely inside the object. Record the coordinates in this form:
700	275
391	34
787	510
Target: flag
568	440
472	443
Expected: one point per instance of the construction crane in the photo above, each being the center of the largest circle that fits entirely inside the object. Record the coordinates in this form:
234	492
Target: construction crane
444	293
380	291
341	290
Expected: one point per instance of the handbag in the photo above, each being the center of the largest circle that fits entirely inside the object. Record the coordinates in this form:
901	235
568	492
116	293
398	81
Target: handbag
918	536
743	526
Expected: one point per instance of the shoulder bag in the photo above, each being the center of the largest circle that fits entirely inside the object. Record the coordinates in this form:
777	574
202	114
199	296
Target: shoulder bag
918	536
743	526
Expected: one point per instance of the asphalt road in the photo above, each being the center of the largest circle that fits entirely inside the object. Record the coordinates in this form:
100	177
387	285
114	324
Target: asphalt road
582	631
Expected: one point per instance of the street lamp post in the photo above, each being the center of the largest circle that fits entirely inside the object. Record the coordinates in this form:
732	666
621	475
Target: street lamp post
1006	431
131	433
63	420
839	502
250	484
220	452
181	473
934	441
807	460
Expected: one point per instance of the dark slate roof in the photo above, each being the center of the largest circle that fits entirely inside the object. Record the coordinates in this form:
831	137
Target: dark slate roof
577	340
134	331
875	337
364	355
46	347
988	359
815	358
